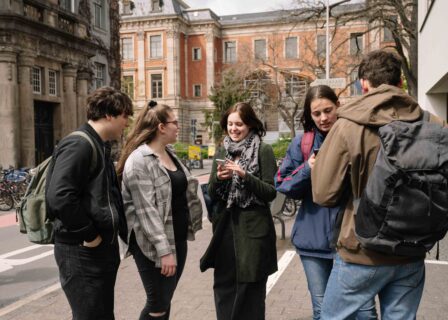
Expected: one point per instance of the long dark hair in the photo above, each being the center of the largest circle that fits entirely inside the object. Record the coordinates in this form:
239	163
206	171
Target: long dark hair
144	130
317	92
248	116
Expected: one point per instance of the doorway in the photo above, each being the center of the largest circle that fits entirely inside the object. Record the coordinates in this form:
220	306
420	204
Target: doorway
43	130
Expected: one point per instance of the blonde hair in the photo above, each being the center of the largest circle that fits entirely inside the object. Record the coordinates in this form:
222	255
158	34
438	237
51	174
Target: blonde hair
144	130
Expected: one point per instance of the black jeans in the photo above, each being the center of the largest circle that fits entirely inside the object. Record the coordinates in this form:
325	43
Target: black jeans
159	289
235	300
88	277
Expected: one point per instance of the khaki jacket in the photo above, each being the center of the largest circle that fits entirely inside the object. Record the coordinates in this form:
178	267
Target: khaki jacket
348	155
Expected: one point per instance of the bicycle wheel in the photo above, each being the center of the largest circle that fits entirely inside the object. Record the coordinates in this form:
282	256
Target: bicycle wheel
6	201
290	208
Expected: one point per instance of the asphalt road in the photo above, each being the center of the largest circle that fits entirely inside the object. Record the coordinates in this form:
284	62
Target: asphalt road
25	268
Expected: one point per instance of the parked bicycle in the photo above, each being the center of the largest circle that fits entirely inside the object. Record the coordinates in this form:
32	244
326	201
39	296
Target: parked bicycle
13	185
291	205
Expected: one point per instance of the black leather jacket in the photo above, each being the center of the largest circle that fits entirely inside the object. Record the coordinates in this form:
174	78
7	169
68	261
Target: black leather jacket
85	203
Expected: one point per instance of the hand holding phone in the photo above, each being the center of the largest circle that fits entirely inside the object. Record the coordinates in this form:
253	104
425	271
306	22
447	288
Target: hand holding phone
221	162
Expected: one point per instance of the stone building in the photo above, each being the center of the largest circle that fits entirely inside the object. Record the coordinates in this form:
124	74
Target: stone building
52	54
174	54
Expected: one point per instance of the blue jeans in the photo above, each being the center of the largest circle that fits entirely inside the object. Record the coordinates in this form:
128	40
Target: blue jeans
317	271
399	288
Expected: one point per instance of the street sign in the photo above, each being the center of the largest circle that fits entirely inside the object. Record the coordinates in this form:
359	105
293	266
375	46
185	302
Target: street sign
332	82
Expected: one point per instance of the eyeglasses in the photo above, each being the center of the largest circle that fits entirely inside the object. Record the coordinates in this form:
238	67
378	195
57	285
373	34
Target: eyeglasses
175	122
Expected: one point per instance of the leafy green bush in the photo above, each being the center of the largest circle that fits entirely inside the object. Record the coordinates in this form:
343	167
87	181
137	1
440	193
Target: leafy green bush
280	146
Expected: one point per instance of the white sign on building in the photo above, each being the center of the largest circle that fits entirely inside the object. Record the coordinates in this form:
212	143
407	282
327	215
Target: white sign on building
332	82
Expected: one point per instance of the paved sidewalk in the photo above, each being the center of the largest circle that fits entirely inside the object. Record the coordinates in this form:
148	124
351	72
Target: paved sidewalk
287	300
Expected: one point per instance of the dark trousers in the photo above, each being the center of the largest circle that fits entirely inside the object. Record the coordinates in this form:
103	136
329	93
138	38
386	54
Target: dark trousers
235	300
159	288
88	277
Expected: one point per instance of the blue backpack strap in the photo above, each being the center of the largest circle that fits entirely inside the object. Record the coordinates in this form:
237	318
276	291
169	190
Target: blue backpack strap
307	144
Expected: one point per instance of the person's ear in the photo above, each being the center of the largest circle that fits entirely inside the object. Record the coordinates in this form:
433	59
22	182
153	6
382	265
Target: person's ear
338	104
365	85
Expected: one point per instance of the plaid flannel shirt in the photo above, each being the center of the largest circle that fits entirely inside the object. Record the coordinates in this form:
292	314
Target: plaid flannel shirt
146	190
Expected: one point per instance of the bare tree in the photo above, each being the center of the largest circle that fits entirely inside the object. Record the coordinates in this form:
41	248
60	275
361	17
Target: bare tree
397	19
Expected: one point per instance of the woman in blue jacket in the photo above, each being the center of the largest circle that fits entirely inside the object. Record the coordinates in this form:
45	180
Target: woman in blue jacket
312	232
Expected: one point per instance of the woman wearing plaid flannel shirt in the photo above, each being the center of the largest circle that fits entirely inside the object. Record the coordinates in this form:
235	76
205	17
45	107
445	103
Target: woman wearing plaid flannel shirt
161	205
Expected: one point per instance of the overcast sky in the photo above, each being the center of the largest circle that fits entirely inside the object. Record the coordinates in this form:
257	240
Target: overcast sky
224	7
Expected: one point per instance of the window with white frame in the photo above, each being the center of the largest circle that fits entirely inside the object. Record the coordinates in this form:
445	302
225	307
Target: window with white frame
52	83
127	49
294	86
320	73
155	46
230	51
356	44
100	75
156	86
291	48
260	49
321	45
197	54
98	13
36	80
127	85
355	86
197	90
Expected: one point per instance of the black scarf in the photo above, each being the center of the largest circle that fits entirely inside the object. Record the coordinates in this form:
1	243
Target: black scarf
234	190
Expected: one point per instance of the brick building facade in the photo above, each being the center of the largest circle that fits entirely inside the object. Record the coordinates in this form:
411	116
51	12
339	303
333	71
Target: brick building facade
174	54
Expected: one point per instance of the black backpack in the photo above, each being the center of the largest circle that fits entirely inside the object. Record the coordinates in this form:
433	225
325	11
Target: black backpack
404	207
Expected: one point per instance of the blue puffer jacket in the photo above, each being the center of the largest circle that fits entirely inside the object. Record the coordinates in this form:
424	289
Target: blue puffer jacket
313	229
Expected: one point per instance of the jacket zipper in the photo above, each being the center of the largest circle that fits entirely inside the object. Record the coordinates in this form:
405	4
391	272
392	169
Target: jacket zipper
108	198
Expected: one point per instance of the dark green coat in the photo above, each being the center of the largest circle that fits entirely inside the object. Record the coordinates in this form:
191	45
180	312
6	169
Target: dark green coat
253	227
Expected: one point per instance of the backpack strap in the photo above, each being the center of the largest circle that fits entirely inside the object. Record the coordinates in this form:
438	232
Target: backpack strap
94	162
426	115
307	144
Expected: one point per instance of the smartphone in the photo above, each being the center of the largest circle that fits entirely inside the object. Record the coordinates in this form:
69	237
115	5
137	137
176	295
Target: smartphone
221	162
316	151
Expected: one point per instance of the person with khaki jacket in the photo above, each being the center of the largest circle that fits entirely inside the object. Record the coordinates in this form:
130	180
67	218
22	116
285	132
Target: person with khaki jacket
341	171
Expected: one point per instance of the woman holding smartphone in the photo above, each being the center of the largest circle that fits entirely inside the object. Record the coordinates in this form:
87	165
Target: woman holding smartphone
312	232
161	206
242	250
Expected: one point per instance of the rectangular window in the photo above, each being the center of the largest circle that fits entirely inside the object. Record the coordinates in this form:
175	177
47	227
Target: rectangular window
67	5
127	49
356	45
291	48
320	73
260	49
36	80
321	45
127	86
390	23
52	83
156	86
294	86
98	13
355	86
155	44
100	74
156	5
197	90
230	51
196	54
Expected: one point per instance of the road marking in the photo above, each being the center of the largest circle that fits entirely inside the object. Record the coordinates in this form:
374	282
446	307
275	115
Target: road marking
31	298
282	265
7	264
437	262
